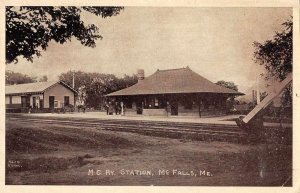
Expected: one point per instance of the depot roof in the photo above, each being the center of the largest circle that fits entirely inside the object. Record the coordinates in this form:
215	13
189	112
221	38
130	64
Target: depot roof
182	80
36	87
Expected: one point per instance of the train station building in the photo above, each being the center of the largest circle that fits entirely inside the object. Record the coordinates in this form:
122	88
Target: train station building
180	92
40	96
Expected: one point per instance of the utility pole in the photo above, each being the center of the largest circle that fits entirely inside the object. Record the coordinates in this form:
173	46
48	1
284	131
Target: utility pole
257	91
73	81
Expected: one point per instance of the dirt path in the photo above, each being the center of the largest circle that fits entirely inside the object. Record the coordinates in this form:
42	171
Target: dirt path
52	154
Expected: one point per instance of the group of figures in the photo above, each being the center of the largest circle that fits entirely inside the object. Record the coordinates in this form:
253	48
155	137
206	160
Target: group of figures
117	107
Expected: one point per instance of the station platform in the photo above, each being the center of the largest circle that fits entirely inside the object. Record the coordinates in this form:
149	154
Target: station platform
220	120
226	120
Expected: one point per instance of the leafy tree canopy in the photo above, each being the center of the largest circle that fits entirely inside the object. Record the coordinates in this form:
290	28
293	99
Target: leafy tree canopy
30	29
43	79
229	85
276	55
92	87
12	78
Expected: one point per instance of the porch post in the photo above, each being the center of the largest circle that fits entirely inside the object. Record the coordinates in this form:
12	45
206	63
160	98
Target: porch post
199	105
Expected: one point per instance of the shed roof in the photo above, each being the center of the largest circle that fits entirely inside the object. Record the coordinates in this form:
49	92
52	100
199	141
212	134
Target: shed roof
36	87
182	80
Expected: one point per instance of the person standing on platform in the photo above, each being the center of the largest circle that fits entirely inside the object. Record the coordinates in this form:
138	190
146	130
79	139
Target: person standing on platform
110	108
106	108
116	107
122	108
168	108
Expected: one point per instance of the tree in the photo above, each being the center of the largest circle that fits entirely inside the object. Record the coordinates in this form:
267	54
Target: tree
92	87
81	81
12	78
229	85
126	81
276	55
43	79
263	95
30	29
230	101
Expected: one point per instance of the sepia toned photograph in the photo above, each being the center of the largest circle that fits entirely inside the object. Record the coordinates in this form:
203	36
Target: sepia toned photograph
149	96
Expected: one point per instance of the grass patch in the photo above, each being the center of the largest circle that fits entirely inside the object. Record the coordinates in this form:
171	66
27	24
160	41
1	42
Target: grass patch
38	138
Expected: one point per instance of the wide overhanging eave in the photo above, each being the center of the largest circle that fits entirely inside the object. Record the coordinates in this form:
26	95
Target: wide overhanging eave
164	93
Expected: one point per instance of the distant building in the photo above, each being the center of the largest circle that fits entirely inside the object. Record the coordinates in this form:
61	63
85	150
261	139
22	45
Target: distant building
39	95
174	92
241	108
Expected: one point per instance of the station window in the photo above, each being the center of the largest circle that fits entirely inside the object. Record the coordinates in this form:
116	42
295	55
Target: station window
156	102
55	104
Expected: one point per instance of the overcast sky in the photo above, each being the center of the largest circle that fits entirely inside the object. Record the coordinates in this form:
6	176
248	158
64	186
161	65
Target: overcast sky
214	42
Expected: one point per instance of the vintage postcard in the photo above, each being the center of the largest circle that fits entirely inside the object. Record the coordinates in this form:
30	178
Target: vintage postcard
151	96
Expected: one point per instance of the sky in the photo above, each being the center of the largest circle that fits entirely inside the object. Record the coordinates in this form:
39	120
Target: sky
217	43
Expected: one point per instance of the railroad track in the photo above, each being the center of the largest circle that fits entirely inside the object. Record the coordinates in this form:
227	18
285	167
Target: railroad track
192	131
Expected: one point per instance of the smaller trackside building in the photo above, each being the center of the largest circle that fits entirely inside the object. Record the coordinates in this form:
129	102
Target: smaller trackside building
39	95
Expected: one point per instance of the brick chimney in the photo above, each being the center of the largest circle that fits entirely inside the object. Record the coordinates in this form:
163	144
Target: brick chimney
140	74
